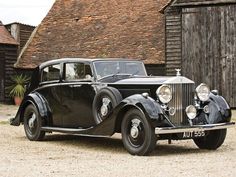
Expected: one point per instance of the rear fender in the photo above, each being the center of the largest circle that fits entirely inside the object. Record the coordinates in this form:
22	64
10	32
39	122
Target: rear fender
38	101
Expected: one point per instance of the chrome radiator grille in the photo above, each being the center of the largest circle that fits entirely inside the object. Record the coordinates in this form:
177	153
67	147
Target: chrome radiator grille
183	95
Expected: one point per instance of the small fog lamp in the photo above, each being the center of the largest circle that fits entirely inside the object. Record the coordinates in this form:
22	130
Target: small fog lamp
191	112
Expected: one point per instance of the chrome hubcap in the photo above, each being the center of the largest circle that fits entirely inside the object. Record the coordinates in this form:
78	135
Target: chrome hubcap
134	132
31	121
105	109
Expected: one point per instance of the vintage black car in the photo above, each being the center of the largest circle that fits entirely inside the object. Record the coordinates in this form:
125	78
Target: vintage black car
100	97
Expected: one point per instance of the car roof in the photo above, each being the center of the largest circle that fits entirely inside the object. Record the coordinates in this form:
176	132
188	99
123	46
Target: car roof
89	60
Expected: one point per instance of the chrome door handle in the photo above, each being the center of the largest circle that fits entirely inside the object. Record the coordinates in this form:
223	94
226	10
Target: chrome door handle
75	86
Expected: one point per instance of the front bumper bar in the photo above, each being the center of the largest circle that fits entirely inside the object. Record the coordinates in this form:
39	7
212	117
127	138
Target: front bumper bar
194	128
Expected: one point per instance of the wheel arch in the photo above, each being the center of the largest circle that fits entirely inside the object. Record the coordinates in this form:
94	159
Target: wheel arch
147	106
221	107
39	102
121	115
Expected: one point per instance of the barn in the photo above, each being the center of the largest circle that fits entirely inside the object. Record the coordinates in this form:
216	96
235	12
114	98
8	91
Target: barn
20	32
13	37
99	29
8	55
201	40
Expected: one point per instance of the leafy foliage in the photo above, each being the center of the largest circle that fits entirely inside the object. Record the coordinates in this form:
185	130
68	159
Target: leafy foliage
18	88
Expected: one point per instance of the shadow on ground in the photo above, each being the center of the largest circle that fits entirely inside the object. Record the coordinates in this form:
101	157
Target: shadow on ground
107	144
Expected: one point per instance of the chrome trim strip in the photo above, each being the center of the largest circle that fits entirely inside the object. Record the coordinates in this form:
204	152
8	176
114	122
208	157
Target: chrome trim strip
208	127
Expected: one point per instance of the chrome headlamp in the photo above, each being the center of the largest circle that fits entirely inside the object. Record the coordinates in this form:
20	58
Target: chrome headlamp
203	92
164	94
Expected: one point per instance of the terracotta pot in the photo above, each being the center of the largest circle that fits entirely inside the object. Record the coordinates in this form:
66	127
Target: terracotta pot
17	100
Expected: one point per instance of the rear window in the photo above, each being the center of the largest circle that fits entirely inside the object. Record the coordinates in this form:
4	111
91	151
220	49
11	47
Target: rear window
51	73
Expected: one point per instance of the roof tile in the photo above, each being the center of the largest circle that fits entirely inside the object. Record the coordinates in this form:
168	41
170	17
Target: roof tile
5	37
98	29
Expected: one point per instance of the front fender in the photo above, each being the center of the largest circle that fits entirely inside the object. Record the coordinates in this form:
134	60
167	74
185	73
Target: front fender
219	109
38	101
148	105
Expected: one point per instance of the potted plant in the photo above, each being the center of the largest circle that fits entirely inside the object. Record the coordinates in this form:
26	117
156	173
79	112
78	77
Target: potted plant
17	89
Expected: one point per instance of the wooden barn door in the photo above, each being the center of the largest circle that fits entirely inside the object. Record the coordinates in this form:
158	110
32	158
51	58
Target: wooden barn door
228	53
209	47
2	69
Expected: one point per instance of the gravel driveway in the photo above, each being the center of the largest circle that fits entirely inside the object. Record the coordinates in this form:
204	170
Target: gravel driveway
67	155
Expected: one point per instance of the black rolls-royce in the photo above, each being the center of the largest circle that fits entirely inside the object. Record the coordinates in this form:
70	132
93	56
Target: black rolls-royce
100	97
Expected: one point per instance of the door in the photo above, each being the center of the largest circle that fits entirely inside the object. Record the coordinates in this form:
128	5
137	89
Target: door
2	71
77	94
209	48
50	89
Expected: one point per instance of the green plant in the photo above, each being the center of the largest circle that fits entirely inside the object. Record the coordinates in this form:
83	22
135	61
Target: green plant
17	89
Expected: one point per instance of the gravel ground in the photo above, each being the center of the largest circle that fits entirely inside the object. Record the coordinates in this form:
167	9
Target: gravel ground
67	155
7	111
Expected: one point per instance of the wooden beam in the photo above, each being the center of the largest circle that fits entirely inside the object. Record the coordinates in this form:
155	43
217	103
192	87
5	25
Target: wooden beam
199	3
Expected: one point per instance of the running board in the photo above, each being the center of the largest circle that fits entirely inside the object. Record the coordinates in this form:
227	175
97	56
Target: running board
78	131
65	130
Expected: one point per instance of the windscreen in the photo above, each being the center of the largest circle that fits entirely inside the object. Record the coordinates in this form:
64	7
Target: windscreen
107	68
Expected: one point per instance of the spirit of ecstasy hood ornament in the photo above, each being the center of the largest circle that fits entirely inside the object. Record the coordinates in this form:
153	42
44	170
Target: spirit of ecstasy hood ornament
178	72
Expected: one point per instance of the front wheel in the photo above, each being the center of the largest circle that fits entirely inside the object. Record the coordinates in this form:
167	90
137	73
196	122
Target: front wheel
33	123
213	140
137	134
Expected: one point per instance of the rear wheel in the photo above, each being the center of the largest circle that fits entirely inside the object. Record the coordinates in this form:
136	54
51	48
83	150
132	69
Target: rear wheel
33	123
138	135
212	141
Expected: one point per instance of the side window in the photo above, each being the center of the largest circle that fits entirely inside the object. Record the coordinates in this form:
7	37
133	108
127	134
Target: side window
51	73
77	71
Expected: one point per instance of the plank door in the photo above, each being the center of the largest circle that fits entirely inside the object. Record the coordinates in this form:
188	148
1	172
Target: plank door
209	48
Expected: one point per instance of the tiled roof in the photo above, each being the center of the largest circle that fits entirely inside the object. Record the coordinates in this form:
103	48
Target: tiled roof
19	23
5	37
98	29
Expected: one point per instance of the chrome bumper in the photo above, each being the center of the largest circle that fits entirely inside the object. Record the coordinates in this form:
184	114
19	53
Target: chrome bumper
195	128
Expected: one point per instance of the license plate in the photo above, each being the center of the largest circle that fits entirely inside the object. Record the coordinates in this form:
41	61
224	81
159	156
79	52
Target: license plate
193	134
